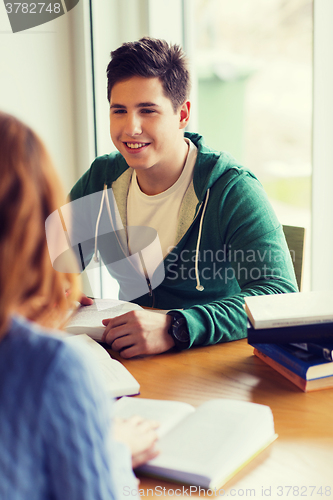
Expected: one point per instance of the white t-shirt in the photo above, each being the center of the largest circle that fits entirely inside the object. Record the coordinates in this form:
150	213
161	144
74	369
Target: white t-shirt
159	211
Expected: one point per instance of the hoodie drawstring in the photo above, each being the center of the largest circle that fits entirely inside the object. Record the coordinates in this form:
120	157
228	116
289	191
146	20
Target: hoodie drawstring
95	256
199	287
106	198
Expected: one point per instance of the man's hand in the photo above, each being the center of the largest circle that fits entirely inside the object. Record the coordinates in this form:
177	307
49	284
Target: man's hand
138	333
139	435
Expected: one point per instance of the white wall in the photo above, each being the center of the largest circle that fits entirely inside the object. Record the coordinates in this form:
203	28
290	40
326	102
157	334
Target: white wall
37	85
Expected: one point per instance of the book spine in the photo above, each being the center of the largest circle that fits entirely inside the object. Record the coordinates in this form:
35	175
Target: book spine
300	382
284	358
288	334
294	322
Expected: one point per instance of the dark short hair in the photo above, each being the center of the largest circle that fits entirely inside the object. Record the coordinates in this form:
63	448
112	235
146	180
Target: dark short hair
150	57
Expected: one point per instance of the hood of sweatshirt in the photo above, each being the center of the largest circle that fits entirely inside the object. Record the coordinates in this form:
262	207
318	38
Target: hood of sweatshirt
210	165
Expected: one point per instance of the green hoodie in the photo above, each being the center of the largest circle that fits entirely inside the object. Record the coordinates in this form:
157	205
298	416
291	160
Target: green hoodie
229	243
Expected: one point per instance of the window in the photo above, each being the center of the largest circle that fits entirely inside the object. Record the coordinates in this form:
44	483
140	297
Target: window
253	61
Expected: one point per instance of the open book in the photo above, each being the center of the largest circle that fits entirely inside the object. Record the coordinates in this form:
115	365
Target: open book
204	446
88	319
118	381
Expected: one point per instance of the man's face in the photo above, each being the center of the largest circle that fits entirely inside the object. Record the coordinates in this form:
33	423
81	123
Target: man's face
143	124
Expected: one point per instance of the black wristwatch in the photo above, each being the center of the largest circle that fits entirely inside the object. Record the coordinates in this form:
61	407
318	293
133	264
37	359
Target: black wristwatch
178	330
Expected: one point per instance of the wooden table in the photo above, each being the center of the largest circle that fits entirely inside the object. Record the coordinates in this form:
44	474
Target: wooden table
297	464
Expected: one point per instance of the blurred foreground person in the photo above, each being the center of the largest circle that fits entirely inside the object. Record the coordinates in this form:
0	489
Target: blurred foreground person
55	433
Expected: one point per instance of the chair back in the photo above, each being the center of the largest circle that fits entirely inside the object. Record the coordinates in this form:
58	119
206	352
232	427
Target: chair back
295	237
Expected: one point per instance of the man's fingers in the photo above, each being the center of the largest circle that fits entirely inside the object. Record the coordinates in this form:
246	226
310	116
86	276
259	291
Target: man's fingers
131	352
117	340
138	333
123	319
110	334
114	322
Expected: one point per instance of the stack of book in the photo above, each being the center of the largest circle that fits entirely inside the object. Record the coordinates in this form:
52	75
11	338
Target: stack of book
293	333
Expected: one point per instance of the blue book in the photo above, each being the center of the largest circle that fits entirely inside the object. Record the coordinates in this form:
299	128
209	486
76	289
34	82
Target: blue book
307	365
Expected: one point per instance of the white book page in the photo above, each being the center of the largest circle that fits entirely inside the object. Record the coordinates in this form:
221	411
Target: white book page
214	441
117	379
88	319
167	413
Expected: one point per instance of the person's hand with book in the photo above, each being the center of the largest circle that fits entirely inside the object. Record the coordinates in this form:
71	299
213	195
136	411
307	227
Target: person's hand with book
138	333
139	435
86	301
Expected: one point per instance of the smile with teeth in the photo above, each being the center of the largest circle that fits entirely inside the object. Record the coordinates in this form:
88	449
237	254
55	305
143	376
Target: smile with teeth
136	145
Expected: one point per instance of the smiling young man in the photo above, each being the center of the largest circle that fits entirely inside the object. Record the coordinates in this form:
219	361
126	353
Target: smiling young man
219	238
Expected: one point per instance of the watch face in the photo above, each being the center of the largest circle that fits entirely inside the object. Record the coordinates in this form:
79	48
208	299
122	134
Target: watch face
180	331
